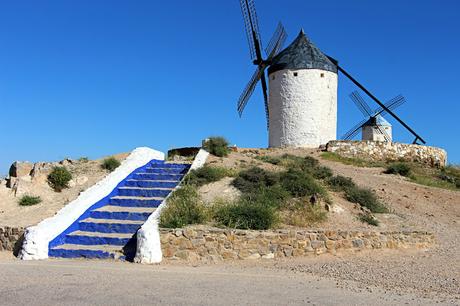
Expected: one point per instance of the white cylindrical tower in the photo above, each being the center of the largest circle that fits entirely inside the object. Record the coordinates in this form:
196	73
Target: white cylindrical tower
303	96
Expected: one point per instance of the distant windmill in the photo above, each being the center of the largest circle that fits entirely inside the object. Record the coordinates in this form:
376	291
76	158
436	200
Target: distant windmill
301	105
374	127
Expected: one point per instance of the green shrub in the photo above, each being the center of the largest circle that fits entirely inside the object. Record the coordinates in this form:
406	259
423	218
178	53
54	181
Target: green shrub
59	178
217	146
206	175
309	162
321	172
28	200
365	197
300	184
110	164
398	168
254	179
340	183
369	219
274	196
246	215
83	159
184	207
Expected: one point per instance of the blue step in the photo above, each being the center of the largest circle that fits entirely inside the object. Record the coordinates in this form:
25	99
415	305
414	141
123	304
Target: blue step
156	177
92	240
120	215
140	192
167	165
134	202
150	184
165	170
126	228
79	253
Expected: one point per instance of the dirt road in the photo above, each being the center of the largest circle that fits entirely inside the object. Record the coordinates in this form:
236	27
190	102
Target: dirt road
81	282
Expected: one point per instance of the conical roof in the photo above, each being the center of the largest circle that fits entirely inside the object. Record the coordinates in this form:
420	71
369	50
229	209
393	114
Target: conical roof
301	54
378	120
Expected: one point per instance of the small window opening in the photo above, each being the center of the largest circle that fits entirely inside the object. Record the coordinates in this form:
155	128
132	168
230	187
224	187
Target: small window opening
322	75
295	73
273	77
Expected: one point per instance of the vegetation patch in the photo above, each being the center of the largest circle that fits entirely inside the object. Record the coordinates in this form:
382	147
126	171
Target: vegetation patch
340	183
369	219
398	168
358	162
59	178
254	179
300	184
83	159
207	174
28	200
245	214
366	198
184	208
217	146
302	213
110	164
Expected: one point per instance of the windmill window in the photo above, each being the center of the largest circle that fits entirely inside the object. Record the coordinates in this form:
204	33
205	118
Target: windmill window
295	73
273	77
322	75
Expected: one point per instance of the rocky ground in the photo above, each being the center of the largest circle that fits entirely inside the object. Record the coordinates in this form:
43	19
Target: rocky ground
31	179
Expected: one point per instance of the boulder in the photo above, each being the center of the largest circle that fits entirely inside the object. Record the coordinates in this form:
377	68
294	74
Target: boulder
21	169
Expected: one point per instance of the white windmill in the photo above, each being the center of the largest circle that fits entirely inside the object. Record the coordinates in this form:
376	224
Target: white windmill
301	105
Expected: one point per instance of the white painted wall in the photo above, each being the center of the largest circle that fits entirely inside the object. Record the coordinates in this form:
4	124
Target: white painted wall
37	237
373	134
148	249
303	108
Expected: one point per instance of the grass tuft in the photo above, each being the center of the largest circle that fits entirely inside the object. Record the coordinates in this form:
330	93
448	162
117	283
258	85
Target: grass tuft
110	164
28	200
206	175
366	198
398	168
369	219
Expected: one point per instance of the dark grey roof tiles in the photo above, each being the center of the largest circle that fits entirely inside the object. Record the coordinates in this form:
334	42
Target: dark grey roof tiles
301	54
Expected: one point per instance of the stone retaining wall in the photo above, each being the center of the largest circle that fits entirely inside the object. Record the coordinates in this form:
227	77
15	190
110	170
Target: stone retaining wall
10	238
389	151
213	244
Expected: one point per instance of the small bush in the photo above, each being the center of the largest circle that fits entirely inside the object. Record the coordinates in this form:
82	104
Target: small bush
321	172
369	219
358	162
110	164
217	146
398	168
274	196
59	178
83	159
303	214
206	175
310	162
184	207
300	184
246	215
366	198
254	179
340	183
27	200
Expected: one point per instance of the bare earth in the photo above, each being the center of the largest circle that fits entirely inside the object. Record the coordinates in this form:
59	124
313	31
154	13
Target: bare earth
85	175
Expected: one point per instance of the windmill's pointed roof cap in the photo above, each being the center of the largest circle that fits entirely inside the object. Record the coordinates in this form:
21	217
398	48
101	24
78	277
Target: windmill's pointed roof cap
379	120
301	54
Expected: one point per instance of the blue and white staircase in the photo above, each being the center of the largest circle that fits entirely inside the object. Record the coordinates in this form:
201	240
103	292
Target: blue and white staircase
108	228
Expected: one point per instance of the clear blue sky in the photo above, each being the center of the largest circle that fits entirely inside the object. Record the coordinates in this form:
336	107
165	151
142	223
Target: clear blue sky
92	78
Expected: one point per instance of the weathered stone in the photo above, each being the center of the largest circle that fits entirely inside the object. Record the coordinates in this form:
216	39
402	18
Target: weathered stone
21	169
189	233
316	244
229	255
287	251
268	256
183	254
358	243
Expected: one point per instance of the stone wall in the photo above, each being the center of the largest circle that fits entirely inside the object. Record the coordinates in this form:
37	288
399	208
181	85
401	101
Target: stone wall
389	151
213	244
10	238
